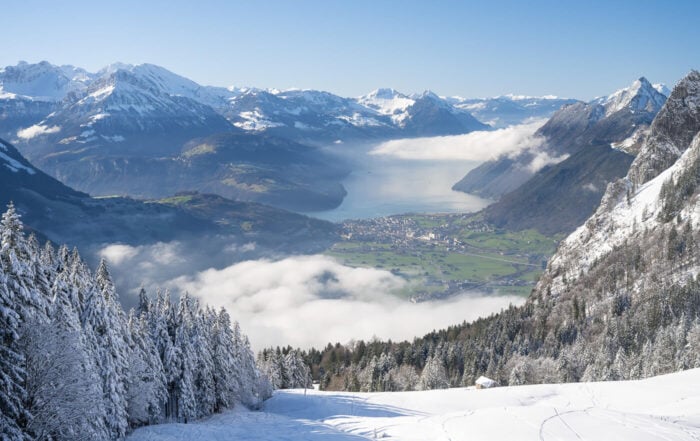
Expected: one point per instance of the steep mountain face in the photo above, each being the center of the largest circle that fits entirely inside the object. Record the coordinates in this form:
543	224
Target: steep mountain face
508	110
620	119
560	197
648	203
671	132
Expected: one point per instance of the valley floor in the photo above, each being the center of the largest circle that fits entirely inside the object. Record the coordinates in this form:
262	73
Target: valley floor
661	408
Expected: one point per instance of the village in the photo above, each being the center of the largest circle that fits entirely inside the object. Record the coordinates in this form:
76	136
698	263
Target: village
445	254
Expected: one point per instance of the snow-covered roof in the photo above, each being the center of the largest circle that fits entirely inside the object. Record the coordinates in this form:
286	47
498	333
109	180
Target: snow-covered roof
485	382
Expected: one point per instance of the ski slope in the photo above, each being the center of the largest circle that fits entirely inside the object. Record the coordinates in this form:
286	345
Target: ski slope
661	408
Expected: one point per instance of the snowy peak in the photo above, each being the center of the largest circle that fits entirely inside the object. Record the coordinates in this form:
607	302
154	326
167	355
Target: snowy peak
386	101
42	81
428	94
640	96
384	93
662	89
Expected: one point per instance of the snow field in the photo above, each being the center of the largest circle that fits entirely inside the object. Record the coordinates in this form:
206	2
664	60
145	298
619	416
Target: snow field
660	408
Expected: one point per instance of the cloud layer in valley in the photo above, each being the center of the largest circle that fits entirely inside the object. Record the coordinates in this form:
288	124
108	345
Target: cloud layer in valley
300	300
474	146
313	300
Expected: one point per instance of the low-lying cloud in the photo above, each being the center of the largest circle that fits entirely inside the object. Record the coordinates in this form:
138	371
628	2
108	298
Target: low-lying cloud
151	266
312	300
474	146
542	159
37	130
300	300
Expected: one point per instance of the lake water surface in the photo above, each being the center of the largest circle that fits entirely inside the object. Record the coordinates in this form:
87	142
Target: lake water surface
382	186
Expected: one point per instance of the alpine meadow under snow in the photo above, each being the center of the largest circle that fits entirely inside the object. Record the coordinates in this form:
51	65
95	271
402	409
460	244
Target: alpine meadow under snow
660	408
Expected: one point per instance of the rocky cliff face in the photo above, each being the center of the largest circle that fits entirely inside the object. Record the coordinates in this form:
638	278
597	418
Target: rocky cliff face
676	125
648	208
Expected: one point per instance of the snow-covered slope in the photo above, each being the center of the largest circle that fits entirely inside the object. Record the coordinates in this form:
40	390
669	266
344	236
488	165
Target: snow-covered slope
298	114
507	110
618	120
665	407
42	81
631	209
389	102
641	95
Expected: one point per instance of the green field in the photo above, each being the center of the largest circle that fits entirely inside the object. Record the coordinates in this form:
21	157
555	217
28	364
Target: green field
485	258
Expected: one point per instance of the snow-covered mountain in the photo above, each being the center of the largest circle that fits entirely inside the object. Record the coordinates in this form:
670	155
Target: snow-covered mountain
82	127
122	110
42	81
658	195
619	120
321	116
389	102
507	110
307	115
640	96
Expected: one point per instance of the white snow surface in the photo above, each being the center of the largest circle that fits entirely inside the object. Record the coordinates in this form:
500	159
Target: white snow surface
660	408
13	164
388	102
640	95
618	219
42	81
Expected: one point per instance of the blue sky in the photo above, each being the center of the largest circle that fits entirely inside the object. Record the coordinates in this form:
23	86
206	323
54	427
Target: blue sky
471	48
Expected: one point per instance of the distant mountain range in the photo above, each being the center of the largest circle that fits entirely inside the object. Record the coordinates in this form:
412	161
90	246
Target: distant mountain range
125	129
508	110
557	185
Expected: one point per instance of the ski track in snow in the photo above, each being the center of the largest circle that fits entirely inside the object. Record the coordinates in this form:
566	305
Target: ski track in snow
660	408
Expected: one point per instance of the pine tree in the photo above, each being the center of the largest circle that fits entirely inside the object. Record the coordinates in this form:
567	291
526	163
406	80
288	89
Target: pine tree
434	375
146	385
187	402
18	302
72	367
204	384
107	337
12	375
224	358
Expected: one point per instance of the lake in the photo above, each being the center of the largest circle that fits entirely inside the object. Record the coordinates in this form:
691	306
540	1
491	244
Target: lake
382	186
